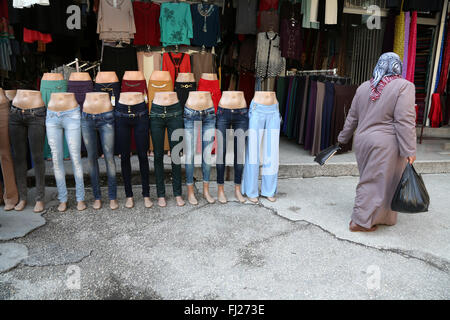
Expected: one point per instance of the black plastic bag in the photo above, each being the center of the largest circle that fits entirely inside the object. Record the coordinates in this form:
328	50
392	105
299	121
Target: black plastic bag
326	154
411	195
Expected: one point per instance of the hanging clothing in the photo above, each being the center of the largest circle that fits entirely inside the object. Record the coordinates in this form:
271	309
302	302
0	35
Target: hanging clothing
268	21
20	4
291	41
149	62
435	114
399	38
331	12
115	20
269	62
246	16
119	60
206	25
406	47
443	78
176	23
412	43
311	115
327	113
318	118
343	96
202	63
176	63
384	134
146	19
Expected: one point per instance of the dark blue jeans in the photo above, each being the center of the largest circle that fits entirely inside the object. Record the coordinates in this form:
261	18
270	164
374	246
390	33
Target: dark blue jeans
128	117
102	125
237	121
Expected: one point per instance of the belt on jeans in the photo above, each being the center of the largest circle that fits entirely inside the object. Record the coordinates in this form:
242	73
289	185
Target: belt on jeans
31	111
203	112
165	114
130	115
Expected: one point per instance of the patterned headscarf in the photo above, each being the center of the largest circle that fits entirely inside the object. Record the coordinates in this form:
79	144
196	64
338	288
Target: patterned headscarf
388	68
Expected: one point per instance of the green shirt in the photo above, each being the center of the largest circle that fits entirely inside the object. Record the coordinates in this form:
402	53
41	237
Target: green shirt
176	24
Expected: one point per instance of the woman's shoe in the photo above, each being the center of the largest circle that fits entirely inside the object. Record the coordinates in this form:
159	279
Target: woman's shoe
353	227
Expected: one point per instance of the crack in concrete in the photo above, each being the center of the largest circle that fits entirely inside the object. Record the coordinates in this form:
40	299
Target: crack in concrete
438	263
80	260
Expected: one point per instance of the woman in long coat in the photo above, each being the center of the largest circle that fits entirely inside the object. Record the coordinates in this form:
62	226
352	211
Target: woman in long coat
383	115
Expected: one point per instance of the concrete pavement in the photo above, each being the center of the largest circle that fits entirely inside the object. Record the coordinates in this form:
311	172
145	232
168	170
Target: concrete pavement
296	248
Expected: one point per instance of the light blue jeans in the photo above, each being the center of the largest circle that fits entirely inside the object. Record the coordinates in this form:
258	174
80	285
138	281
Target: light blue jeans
263	131
193	119
59	124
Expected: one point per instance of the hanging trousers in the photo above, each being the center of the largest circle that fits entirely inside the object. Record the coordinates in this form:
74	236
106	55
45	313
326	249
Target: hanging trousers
263	131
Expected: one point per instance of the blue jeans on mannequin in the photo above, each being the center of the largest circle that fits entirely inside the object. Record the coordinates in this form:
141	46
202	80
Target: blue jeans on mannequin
103	124
264	122
192	121
59	124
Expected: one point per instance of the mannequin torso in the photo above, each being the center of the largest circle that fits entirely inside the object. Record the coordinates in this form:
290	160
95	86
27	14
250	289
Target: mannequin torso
209	76
133	75
232	100
160	76
62	101
106	77
97	102
165	98
80	76
10	94
185	77
3	97
199	100
131	98
28	99
267	98
52	76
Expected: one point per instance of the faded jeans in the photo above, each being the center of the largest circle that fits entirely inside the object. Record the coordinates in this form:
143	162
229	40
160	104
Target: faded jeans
192	119
103	124
59	124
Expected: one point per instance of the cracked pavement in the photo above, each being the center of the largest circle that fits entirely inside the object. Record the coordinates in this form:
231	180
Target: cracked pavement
296	248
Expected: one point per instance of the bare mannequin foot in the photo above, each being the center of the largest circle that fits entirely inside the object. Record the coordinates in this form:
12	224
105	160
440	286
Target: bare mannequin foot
221	194
253	200
147	202
62	206
162	202
191	195
97	204
180	201
206	194
238	194
113	204
21	205
39	207
8	207
81	205
168	153
129	203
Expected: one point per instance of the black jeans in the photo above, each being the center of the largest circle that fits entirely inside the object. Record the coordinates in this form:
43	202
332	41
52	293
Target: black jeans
170	118
23	124
234	119
128	117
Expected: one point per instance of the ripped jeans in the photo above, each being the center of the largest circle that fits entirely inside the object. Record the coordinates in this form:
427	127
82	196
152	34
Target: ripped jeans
59	124
103	123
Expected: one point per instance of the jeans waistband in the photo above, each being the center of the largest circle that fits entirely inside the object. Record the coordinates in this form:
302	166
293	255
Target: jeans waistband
132	111
28	111
90	116
199	112
166	111
63	113
240	110
264	108
54	85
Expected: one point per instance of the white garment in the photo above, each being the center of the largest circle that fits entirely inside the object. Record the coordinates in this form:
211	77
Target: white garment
20	4
314	9
331	11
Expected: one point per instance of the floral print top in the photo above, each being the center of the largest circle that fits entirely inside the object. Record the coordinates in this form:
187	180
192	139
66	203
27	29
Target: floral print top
176	24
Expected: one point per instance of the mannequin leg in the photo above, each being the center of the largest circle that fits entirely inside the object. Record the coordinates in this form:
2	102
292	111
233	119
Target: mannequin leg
190	137
141	129
208	133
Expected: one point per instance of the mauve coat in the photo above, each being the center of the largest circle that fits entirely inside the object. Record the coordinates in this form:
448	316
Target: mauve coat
385	135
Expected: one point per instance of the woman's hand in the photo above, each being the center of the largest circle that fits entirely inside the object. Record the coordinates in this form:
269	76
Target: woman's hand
411	159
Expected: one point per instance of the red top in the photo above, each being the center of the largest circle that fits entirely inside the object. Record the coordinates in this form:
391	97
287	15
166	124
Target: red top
134	86
268	4
176	63
213	87
146	19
